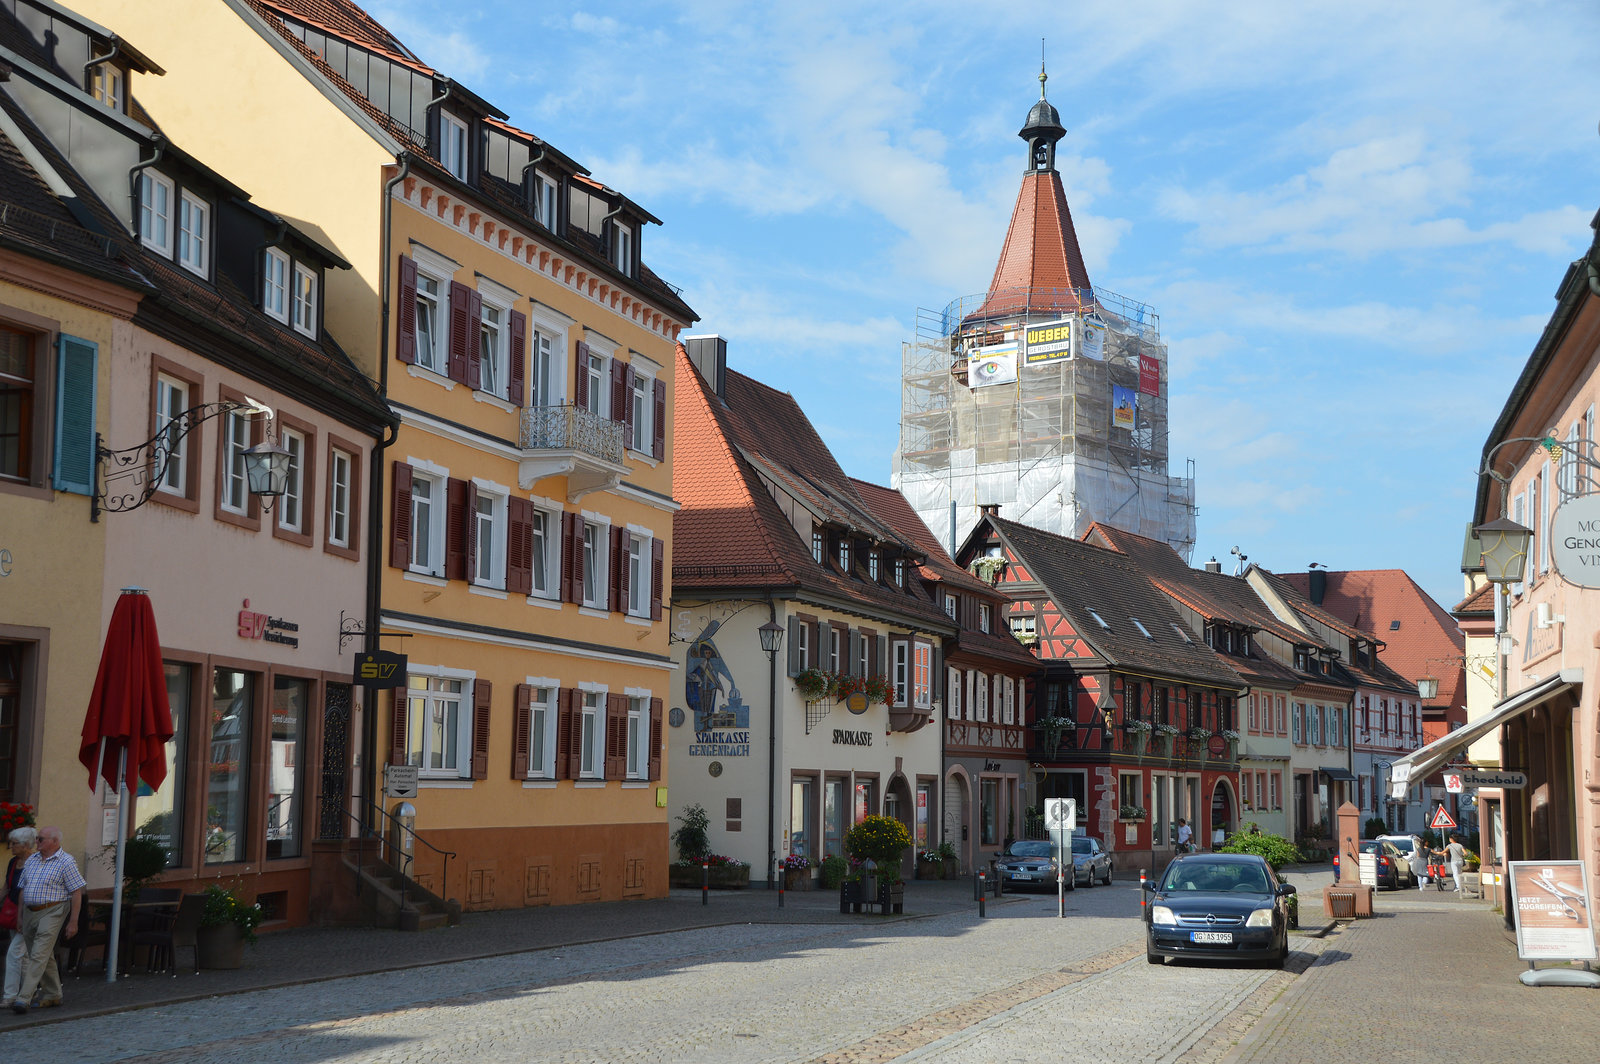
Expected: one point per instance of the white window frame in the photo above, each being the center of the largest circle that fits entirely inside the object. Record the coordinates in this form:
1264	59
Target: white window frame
980	687
542	369
291	505
596	564
194	233
1010	700
416	738
863	662
642	405
952	693
545	701
922	664
303	301
544	199
622	247
949	605
235	495
592	730
155	218
453	145
494	558
275	285
549	550
430	563
341	467
985	613
172	399
107	85
900	671
437	270
802	644
493	329
638	740
639	575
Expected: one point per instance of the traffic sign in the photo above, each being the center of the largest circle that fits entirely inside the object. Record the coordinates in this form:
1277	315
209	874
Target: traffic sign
1442	819
1452	782
1061	814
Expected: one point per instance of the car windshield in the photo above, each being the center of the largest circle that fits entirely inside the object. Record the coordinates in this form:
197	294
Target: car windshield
1216	877
1372	847
1403	845
1081	846
1029	849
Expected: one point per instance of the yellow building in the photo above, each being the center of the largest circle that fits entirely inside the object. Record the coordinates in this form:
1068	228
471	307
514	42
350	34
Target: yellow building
522	514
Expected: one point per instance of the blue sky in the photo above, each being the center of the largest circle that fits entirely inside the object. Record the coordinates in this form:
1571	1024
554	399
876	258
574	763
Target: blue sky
1350	216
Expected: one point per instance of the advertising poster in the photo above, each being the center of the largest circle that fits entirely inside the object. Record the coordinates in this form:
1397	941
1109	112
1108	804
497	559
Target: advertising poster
1149	376
1551	903
993	365
1047	343
1091	338
1124	407
922	817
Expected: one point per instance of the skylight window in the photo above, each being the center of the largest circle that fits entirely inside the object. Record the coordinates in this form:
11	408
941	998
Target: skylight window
1142	629
1176	627
1101	621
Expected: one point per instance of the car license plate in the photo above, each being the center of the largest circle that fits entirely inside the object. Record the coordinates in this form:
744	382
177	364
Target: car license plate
1216	938
1022	875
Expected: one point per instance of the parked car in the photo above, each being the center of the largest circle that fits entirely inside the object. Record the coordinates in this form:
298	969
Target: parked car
1030	863
1394	870
1218	906
1089	861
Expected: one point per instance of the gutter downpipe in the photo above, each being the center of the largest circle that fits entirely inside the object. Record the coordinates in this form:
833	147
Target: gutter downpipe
159	143
116	49
522	179
772	753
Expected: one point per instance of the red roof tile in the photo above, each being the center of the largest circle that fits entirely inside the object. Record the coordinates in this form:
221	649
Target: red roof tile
1040	267
1480	601
344	19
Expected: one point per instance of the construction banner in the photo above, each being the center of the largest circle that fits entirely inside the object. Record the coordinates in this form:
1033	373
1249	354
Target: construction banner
1149	376
1091	339
993	365
1047	343
1124	407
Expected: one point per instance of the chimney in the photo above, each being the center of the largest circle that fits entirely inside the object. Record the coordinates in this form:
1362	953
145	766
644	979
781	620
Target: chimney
709	353
1213	566
1319	586
990	508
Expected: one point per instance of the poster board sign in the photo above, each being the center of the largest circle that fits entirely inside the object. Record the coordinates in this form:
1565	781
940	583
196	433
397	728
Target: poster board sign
1149	376
1551	900
1090	341
1575	541
400	781
993	365
1124	407
1047	342
1368	868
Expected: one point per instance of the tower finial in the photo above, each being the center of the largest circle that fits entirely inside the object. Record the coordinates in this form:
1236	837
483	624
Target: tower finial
1043	77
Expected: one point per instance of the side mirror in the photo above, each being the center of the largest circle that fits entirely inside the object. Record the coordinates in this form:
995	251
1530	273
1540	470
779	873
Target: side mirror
1149	885
1285	889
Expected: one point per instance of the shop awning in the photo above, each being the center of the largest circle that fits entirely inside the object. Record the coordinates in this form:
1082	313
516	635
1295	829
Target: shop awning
1416	765
1337	774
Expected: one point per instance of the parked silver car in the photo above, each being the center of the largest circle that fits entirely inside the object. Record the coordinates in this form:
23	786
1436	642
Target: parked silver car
1029	863
1090	862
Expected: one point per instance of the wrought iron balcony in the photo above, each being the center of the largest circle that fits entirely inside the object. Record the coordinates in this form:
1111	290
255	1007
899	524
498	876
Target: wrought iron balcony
589	450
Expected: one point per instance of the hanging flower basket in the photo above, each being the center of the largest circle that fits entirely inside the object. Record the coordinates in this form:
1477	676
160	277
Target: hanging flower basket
987	568
812	684
1051	729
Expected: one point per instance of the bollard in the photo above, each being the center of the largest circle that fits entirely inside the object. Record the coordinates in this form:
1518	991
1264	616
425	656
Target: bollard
782	878
983	890
1142	901
705	884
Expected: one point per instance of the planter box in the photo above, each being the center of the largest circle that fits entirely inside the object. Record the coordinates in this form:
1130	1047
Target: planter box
796	879
723	877
930	869
220	947
890	898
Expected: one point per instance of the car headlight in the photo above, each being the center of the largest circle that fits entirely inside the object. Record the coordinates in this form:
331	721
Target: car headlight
1260	918
1160	914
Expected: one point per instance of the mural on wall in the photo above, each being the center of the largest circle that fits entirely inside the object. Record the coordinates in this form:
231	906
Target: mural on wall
721	717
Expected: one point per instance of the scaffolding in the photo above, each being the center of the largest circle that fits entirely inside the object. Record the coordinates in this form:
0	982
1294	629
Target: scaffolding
1046	448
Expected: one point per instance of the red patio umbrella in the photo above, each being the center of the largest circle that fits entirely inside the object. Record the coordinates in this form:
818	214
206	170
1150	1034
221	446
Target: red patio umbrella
129	722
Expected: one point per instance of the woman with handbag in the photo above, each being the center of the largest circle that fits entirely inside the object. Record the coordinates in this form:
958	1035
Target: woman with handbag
23	842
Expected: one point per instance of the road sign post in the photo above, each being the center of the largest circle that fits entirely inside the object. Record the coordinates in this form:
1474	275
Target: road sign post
1442	819
1061	817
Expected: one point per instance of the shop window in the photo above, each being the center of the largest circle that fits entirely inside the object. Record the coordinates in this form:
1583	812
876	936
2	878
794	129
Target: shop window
989	812
1129	790
286	766
159	815
834	809
10	717
228	766
802	815
866	800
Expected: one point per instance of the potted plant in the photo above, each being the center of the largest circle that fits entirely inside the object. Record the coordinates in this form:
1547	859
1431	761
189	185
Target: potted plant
1132	813
692	837
988	568
227	925
834	870
949	859
1233	738
1138	732
15	815
797	872
1164	734
878	689
881	840
929	865
143	858
812	684
1050	730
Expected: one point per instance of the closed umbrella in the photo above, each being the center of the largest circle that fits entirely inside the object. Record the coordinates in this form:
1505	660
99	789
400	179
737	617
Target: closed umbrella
128	725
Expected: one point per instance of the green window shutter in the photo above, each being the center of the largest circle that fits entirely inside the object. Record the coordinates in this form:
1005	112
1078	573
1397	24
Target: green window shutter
75	396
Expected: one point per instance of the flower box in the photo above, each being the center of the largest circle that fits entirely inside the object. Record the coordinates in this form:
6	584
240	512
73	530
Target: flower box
721	877
930	869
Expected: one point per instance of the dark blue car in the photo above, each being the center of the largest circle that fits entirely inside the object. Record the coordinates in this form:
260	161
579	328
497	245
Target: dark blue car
1223	906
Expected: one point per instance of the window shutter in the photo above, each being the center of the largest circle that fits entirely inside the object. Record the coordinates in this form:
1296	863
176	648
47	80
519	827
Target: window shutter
572	557
521	721
575	741
462	334
481	690
658	424
405	344
474	339
657	576
566	705
517	375
880	652
397	726
794	646
628	381
400	519
616	736
619	393
819	646
655	738
936	674
854	651
618	577
457	517
75	402
580	377
519	546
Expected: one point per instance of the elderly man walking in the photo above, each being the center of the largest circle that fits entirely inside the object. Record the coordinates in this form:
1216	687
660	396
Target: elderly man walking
52	896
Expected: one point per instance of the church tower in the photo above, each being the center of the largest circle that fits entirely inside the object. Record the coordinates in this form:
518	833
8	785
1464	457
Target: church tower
1044	395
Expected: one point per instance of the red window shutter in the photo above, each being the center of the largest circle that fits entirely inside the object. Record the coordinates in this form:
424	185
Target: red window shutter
657	576
565	707
480	728
521	721
405	344
400	518
575	740
619	393
628	380
519	357
397	727
616	737
463	331
457	527
474	339
619	569
655	738
580	377
658	425
572	557
519	546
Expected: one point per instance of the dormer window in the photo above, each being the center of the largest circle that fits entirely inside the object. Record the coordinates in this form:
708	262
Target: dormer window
872	564
155	212
985	612
194	233
275	285
453	144
305	301
622	249
105	83
950	606
544	201
844	554
816	546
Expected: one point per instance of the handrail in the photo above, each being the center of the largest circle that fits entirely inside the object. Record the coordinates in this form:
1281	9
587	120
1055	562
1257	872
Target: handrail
367	831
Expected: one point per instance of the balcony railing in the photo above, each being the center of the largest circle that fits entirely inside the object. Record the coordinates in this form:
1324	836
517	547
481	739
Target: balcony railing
572	428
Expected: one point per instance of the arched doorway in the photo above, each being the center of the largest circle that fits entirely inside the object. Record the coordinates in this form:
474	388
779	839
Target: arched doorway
957	815
897	803
1221	812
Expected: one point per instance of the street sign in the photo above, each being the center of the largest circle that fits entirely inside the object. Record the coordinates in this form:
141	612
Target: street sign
1452	782
380	670
1509	778
400	781
1061	814
1442	819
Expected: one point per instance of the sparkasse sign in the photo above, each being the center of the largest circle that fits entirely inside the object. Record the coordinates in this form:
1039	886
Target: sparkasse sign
1575	541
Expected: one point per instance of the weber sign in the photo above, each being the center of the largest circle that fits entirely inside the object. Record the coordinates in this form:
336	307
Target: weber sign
1575	541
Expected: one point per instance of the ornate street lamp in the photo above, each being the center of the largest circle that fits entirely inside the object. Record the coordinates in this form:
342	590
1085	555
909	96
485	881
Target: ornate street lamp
771	637
266	470
1428	687
1505	550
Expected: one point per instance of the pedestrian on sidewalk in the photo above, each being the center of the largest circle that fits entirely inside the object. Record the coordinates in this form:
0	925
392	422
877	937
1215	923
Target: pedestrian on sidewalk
1185	834
23	842
1456	856
1418	860
52	896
